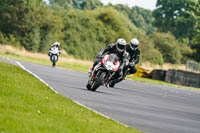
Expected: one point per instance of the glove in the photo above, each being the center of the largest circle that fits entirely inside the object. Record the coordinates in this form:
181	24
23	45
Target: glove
132	64
121	73
126	63
100	57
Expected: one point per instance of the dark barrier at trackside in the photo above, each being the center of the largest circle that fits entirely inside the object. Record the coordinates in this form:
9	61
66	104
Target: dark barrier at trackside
158	74
183	78
178	77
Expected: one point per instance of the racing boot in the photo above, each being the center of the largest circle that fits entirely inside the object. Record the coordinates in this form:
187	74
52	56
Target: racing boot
111	84
90	71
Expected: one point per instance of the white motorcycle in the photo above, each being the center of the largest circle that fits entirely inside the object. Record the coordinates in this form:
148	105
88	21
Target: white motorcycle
54	54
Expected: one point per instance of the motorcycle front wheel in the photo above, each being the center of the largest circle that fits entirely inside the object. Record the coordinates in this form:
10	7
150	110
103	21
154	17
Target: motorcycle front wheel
54	58
98	81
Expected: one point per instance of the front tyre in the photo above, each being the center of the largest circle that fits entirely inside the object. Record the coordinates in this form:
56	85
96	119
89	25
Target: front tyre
88	86
98	81
54	64
54	59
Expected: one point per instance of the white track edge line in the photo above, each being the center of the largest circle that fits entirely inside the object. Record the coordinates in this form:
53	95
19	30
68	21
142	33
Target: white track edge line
18	63
100	113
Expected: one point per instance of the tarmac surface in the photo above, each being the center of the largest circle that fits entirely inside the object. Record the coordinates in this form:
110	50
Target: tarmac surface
148	107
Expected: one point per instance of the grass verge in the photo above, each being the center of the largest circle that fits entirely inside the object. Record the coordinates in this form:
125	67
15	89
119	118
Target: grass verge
73	65
27	105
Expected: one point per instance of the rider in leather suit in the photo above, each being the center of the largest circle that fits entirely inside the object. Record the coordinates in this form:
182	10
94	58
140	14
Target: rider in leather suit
118	48
134	53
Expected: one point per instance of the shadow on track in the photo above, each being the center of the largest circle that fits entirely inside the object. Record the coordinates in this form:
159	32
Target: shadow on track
100	92
105	93
122	89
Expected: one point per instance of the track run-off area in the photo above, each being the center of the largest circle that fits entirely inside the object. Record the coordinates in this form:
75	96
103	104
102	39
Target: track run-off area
148	107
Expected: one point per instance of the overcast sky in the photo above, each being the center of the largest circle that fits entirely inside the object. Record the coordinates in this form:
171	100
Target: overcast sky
147	4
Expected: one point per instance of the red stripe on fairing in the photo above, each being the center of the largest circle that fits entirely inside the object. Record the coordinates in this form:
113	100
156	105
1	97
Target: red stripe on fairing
108	57
116	69
116	64
105	58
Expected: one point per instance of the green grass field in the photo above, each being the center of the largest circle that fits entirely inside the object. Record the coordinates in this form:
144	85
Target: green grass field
28	106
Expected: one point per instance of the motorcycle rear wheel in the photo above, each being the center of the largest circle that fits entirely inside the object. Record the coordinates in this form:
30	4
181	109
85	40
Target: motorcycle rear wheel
112	85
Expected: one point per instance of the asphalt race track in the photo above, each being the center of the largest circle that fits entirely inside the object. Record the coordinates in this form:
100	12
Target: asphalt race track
147	107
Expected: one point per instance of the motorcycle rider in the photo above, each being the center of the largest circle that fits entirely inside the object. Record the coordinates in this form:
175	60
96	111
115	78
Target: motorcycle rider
118	48
134	54
55	44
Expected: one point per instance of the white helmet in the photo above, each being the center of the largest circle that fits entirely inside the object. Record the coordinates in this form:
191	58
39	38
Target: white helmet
121	45
134	44
56	44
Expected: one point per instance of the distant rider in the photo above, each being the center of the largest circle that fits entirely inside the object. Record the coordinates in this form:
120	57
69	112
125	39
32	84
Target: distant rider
117	48
56	45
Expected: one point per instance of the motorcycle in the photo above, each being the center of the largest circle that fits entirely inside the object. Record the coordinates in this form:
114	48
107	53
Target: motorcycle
125	65
54	53
103	72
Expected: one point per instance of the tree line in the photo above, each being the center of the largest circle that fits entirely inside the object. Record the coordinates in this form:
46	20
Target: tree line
167	35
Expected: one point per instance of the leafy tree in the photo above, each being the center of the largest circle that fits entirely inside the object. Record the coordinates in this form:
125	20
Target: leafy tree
35	25
196	40
196	46
9	39
177	16
141	17
31	23
79	40
122	8
78	4
173	51
92	30
148	51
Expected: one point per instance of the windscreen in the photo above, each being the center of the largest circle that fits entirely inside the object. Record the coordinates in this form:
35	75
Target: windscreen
113	58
